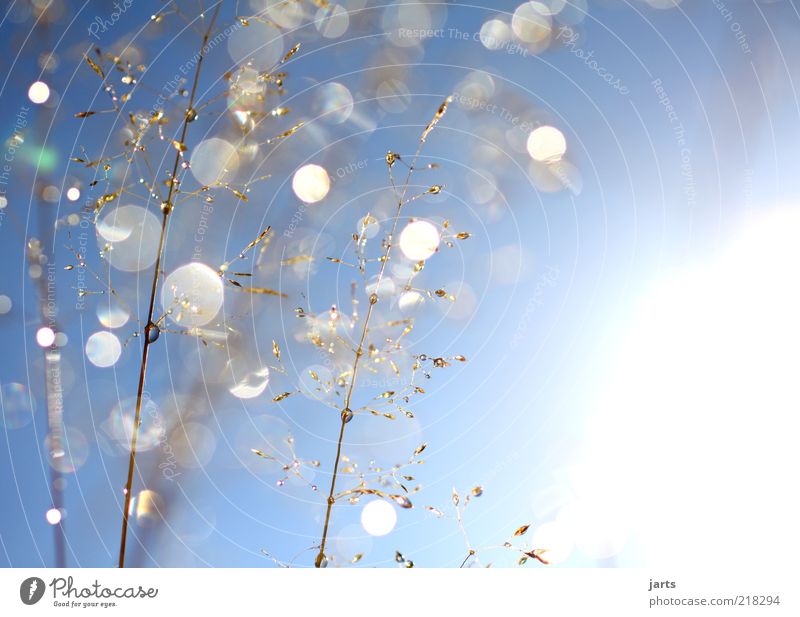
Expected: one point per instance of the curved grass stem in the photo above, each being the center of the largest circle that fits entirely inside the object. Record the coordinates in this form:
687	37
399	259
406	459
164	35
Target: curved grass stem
347	413
166	209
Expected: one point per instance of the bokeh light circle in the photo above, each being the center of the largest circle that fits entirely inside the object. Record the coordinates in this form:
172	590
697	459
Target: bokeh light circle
311	183
103	349
419	240
378	517
192	294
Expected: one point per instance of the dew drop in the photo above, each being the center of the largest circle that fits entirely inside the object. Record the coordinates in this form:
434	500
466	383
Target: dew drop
402	501
153	332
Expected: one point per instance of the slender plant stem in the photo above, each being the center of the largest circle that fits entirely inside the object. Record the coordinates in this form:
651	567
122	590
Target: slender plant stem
166	209
373	300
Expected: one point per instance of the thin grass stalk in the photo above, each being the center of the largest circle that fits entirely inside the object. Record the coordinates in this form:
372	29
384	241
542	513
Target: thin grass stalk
166	209
347	413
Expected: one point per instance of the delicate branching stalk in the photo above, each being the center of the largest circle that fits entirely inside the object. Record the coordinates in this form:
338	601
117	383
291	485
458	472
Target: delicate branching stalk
460	506
347	413
166	209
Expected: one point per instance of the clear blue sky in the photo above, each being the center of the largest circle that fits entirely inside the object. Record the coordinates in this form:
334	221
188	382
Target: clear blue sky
657	192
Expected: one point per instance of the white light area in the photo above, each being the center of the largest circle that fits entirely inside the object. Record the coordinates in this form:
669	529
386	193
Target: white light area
251	384
419	240
73	193
494	34
410	301
39	92
546	144
311	183
112	315
53	516
103	349
45	336
149	507
555	538
378	517
692	443
192	294
214	160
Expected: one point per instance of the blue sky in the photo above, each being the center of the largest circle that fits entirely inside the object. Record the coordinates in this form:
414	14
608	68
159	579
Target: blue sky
555	277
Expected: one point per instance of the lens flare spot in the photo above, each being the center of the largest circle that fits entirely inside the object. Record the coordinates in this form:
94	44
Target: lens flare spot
103	349
53	516
39	92
128	237
45	336
419	240
546	144
192	295
214	160
378	517
311	183
18	406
